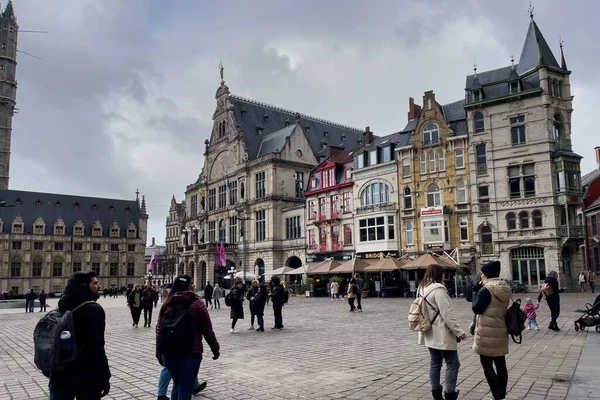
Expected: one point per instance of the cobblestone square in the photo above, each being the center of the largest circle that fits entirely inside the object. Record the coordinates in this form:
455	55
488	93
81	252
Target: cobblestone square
324	352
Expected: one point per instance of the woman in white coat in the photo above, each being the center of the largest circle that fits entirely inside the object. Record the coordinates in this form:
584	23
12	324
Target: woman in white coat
442	338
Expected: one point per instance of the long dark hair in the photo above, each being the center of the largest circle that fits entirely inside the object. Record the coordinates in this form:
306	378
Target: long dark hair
181	283
433	274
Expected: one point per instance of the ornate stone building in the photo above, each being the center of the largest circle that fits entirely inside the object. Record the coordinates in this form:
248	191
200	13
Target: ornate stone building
47	237
252	184
525	178
434	180
8	87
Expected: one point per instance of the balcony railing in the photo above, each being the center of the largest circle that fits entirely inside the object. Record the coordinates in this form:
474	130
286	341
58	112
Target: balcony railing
482	169
374	208
324	217
487	248
571	231
563	144
462	207
484	208
335	247
323	248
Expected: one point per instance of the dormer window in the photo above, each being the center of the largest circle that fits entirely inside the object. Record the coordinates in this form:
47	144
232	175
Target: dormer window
387	153
127	209
514	87
94	207
373	157
78	231
431	135
38	229
360	160
18	201
17	228
114	232
325	133
76	206
111	208
265	118
476	95
57	204
131	233
59	230
38	203
287	122
97	232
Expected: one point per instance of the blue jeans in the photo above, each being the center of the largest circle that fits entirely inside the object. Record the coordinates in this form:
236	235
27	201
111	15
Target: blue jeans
31	305
183	370
260	321
593	287
164	379
435	369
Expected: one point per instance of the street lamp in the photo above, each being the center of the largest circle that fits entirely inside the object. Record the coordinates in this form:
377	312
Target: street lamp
243	235
232	271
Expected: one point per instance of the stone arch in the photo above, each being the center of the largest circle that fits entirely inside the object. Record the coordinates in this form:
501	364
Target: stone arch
293	262
259	267
190	269
203	274
181	269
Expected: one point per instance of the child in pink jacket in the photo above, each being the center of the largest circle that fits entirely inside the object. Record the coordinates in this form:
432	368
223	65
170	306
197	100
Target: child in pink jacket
530	308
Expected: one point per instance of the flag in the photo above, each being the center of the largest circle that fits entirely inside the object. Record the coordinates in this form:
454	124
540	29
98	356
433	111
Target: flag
201	191
222	254
153	260
217	255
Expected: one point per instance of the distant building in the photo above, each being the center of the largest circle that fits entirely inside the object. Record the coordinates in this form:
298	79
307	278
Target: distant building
591	216
46	237
8	87
157	278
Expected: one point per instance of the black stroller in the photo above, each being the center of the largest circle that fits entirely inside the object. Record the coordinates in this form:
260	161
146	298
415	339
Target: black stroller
590	317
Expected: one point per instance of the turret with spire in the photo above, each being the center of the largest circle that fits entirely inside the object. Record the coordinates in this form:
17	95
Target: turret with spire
8	86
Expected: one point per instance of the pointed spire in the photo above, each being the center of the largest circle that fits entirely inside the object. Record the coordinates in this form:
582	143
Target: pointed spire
563	63
137	194
9	11
536	52
143	209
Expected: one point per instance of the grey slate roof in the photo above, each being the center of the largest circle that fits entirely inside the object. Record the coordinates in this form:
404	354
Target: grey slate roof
454	114
258	120
398	139
590	177
124	211
536	51
274	142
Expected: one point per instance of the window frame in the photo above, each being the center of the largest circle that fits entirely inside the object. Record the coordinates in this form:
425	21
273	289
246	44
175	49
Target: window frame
260	184
462	190
386	154
437	194
524	220
461	157
463	226
405	168
260	225
409	233
422	163
478	122
428	134
407	195
518	134
511	221
538	219
431	161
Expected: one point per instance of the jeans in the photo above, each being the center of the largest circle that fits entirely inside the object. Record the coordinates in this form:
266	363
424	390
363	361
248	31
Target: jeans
164	379
31	304
136	312
554	313
207	301
358	300
147	315
42	306
251	313
183	370
217	303
593	287
532	322
260	321
351	302
450	357
71	391
497	380
278	317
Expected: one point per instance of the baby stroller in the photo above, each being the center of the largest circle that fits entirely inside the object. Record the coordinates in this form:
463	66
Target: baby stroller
591	317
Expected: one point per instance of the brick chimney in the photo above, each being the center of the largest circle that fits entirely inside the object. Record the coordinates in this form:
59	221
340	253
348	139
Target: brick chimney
153	242
333	150
413	109
367	136
597	156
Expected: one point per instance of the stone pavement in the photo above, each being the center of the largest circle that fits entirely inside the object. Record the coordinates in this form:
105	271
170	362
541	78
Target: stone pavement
324	352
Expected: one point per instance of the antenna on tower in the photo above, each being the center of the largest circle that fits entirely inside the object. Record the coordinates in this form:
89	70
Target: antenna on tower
22	31
30	55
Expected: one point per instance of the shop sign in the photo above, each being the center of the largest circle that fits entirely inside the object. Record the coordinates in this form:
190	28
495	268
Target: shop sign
376	255
432	211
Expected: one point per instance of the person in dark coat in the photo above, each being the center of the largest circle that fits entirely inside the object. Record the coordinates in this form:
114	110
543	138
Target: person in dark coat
30	301
208	294
237	309
277	299
147	303
250	297
89	376
553	299
258	306
43	297
134	301
472	290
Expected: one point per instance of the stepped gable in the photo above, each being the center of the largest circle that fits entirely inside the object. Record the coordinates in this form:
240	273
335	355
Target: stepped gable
258	120
71	209
454	114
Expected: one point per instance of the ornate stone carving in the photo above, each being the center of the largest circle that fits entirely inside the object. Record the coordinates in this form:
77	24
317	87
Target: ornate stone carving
524	202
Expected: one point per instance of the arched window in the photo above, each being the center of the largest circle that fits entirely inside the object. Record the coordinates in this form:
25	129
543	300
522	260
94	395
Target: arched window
433	195
560	89
375	193
478	122
222	230
461	191
487	243
441	161
431	134
555	87
407	199
431	161
524	220
423	163
557	126
409	233
405	167
537	219
511	221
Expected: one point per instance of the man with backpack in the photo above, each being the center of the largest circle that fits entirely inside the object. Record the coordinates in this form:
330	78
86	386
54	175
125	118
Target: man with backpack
278	297
87	375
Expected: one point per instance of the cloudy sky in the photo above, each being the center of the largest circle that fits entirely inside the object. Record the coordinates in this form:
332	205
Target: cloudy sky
123	95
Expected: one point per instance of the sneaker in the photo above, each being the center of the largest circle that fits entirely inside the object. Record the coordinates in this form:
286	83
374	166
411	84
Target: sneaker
233	331
251	328
536	329
200	388
260	329
162	398
528	328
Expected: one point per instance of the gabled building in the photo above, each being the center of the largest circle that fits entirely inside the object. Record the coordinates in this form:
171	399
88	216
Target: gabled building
434	180
525	178
174	227
591	216
329	205
375	197
249	195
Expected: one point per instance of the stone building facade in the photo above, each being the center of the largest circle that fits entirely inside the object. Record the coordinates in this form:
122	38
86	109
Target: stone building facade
434	180
47	237
525	179
8	87
254	177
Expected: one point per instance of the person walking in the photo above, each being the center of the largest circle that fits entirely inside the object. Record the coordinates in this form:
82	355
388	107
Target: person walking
360	285
352	293
183	364
134	301
43	298
217	294
277	300
88	377
335	289
259	302
208	295
441	338
30	301
581	280
491	335
250	297
551	291
529	309
147	304
237	308
155	297
592	281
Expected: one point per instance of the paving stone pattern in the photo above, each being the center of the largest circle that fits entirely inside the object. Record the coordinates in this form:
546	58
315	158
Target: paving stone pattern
324	352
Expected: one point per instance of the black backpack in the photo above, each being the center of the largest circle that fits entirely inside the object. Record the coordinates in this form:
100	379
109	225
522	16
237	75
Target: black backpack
176	334
354	289
51	355
515	321
286	295
229	299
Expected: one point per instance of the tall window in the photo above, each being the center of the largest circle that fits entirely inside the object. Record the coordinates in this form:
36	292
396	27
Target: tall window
312	213
524	220
484	198
517	130
311	239
461	191
431	161
463	223
597	258
347	234
375	193
261	230
15	269
322	208
537	219
335	234
487	245
409	233
594	223
232	193
405	167
387	153
478	122
407	199
77	266
57	268
372	229
292	228
130	269
433	196
299	176
481	158
194	205
527	175
391	228
260	185
212	197
36	268
373	157
459	158
335	206
529	180
96	267
232	229
422	164
431	134
511	221
347	202
514	182
222	230
222	196
441	160
212	228
113	269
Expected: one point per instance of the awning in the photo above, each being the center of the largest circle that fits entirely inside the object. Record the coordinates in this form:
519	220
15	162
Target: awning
323	267
282	271
350	266
298	271
384	264
425	260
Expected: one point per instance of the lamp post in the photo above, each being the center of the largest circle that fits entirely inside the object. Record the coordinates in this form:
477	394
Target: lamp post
232	271
243	235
